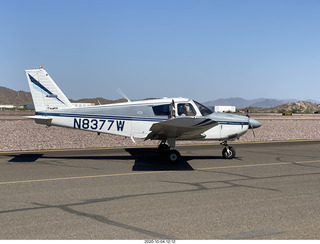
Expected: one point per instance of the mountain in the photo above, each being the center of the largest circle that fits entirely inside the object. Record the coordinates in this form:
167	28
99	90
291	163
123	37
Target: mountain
232	101
17	98
270	103
11	97
244	103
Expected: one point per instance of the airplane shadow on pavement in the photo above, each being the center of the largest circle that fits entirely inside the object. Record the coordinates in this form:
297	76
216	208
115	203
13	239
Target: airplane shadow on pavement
145	159
25	158
148	159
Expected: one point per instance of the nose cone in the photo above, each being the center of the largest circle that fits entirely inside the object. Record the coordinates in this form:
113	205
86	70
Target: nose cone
254	123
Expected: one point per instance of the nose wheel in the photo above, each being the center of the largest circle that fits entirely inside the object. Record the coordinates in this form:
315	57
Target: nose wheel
228	152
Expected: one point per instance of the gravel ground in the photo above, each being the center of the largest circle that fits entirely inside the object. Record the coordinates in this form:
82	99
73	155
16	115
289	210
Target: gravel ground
17	133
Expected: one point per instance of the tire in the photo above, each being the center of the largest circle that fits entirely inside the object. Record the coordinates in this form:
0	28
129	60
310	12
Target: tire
229	155
173	156
163	148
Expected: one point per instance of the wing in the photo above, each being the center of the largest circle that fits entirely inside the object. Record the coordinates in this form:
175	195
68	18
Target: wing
181	128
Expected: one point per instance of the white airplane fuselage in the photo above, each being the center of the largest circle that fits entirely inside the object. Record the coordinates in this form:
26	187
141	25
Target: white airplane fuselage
167	119
134	119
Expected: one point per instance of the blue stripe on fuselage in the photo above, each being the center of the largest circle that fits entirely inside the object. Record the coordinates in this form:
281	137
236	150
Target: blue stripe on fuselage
118	117
94	116
232	123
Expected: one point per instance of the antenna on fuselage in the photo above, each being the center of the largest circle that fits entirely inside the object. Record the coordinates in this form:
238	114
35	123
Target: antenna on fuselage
123	95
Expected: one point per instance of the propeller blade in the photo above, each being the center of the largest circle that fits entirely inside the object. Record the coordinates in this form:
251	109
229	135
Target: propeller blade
254	134
250	126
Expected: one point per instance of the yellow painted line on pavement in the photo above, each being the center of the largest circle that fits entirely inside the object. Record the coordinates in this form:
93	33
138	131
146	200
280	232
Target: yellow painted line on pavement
79	177
260	165
152	146
154	172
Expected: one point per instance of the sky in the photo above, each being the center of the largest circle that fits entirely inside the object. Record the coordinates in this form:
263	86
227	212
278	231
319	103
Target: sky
198	49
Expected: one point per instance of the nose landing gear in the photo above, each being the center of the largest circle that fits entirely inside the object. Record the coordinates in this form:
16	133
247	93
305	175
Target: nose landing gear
228	152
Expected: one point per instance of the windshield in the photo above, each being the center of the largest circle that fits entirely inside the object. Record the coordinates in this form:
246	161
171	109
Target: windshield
203	109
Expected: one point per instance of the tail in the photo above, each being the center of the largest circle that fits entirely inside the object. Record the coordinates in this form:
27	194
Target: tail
46	94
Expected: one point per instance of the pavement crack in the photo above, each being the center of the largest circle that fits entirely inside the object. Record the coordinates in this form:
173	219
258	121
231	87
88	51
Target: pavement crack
105	220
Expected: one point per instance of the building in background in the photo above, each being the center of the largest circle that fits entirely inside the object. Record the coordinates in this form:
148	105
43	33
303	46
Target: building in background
224	109
82	105
7	106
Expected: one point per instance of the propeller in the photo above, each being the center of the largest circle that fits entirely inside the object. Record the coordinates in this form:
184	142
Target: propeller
250	125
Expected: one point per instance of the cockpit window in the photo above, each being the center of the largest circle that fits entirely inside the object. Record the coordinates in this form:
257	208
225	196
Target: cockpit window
203	109
186	109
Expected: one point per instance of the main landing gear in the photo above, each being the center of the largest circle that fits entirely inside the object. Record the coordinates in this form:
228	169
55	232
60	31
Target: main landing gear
172	155
228	152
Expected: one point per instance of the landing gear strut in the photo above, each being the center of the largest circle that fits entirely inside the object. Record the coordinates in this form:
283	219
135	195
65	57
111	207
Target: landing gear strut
228	152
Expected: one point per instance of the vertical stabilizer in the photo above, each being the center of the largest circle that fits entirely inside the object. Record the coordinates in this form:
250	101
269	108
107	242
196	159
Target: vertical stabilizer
46	94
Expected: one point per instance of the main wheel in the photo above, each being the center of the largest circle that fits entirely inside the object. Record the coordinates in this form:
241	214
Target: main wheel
174	156
229	154
163	148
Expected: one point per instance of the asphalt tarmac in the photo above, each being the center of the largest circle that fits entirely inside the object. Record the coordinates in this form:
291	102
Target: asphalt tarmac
269	191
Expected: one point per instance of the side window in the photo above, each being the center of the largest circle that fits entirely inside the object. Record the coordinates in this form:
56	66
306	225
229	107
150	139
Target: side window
161	110
186	109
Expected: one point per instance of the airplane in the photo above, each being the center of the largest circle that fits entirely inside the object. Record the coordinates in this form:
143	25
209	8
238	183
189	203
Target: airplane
166	119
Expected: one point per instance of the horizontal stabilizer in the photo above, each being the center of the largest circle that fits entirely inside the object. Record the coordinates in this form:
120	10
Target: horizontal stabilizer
40	119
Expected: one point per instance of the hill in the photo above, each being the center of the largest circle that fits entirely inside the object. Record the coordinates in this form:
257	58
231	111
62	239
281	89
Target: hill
298	107
303	107
11	97
98	100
